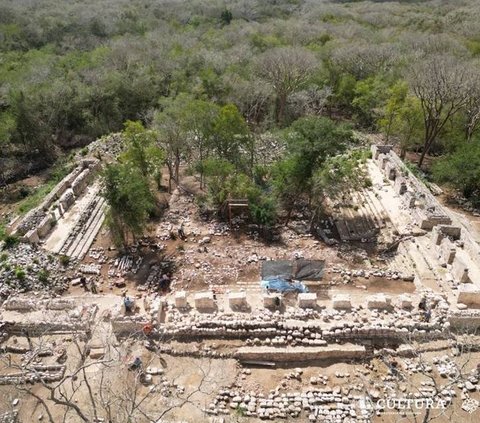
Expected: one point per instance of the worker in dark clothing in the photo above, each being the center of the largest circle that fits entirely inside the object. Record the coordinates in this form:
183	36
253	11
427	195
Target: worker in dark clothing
277	302
83	282
129	303
181	233
164	282
422	305
427	315
136	364
93	287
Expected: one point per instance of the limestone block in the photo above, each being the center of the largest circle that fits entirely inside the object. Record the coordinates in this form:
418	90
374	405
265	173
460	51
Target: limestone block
440	232
61	304
342	301
81	182
237	299
181	299
307	300
382	161
447	251
410	199
92	164
460	271
427	220
437	235
97	353
57	213
390	171
72	176
66	200
380	149
400	185
469	294
379	301
204	300
32	236
45	226
453	232
269	300
405	301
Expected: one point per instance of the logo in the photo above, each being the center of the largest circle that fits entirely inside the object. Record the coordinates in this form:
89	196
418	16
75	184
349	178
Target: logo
470	405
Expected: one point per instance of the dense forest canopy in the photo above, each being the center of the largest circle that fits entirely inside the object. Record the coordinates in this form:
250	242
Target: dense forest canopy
72	71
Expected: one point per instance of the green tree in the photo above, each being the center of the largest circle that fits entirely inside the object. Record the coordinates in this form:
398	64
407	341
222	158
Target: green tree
396	97
226	17
231	137
288	183
310	142
198	118
461	170
130	201
369	95
407	125
141	151
337	175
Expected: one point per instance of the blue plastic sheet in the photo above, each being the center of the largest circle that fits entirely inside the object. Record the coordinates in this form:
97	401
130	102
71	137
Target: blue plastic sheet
283	285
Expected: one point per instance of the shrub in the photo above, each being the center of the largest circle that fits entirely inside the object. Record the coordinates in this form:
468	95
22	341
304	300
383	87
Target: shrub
11	241
64	260
43	275
20	273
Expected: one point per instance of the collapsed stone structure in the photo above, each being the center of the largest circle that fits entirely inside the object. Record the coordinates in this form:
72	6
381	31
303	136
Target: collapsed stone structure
38	222
273	328
453	245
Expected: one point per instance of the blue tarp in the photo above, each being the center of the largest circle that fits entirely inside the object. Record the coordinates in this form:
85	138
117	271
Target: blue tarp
282	285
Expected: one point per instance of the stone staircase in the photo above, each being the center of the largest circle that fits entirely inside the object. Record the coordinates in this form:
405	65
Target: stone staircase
86	229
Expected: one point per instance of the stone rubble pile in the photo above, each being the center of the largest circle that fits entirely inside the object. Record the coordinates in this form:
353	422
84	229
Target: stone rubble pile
348	275
33	374
125	264
322	404
90	269
109	145
25	268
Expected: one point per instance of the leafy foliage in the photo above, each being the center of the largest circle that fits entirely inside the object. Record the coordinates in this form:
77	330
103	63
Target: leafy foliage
461	170
130	201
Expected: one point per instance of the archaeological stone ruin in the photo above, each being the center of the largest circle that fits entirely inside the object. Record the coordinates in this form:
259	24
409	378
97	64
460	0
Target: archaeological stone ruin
317	352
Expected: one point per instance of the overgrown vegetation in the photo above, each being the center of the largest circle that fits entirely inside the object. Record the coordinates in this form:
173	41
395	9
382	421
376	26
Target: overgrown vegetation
33	199
209	79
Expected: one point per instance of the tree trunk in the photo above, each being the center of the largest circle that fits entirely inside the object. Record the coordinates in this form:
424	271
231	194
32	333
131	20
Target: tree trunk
177	166
289	216
422	157
281	105
170	176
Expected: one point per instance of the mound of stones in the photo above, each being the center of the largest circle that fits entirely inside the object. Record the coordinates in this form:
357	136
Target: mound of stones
322	404
27	268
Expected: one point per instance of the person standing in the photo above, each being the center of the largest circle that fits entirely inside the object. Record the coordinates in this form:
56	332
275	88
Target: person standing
83	282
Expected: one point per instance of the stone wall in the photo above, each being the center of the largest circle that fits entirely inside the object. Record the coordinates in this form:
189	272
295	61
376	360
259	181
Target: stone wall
465	320
288	354
37	223
128	325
